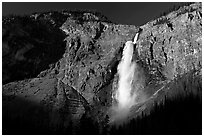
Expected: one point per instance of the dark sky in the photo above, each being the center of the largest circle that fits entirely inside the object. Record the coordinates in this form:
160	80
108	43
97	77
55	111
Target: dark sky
136	13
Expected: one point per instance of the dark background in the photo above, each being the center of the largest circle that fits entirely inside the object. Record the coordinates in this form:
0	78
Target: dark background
135	13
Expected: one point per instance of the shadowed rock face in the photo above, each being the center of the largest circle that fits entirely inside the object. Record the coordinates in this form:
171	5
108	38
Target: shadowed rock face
30	46
71	61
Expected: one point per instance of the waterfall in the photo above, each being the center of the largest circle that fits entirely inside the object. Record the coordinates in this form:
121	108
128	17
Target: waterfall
125	94
126	69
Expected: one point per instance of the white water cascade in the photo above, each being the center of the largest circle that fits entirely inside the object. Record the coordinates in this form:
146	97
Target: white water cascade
126	71
125	94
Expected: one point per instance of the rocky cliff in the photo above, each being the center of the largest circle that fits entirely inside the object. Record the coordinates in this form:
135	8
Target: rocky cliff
59	67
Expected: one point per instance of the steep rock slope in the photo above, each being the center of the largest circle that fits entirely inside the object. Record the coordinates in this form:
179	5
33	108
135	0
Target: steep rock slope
77	78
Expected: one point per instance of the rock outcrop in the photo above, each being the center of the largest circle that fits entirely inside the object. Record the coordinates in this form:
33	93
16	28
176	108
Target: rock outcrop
59	66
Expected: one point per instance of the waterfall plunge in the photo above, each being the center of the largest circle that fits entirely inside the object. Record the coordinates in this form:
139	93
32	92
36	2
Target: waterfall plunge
125	94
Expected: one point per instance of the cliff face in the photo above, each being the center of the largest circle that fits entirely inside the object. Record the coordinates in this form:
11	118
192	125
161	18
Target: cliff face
59	66
173	42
